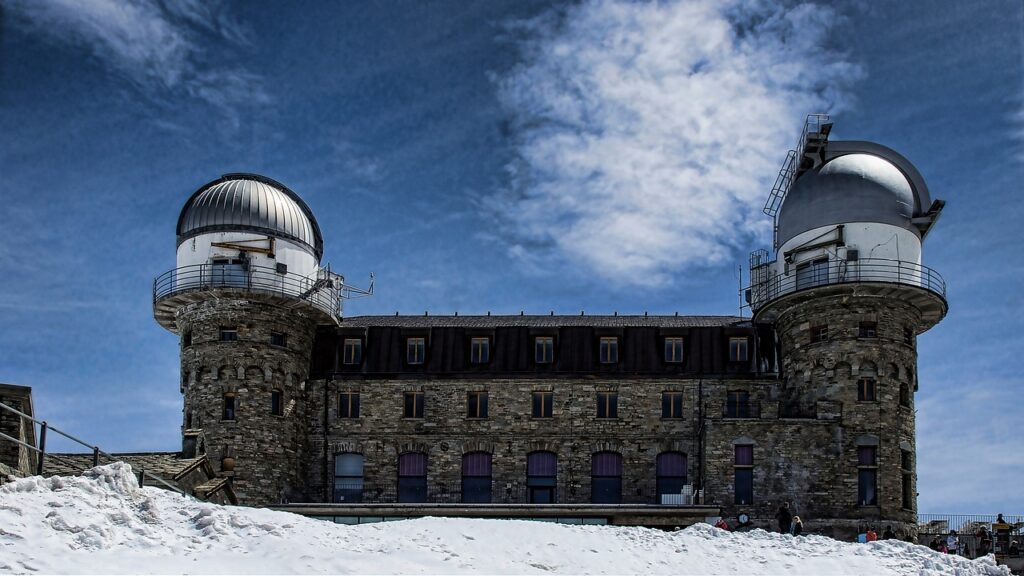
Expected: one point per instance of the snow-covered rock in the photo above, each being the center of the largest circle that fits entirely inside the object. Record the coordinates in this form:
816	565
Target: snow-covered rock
103	522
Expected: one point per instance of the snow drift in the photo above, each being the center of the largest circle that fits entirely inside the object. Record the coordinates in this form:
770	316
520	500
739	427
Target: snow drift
103	522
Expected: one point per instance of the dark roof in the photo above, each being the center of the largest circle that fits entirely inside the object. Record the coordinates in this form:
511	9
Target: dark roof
543	321
167	465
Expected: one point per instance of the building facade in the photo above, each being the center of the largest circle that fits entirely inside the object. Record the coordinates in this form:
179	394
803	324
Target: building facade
811	400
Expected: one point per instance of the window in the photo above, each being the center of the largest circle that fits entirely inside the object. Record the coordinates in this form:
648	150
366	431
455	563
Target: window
738	349
743	471
671	470
907	477
186	339
476	405
819	333
810	274
544	349
480	350
543	404
867	476
277	403
277	339
229	407
413	405
868	330
412	477
908	336
671	404
541	477
348	477
737	404
348	404
476	477
674	350
228	334
904	394
607	404
609	349
352	353
866	390
606	478
415	350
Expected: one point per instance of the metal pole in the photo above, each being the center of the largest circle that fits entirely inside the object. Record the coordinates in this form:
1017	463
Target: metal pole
42	447
95	455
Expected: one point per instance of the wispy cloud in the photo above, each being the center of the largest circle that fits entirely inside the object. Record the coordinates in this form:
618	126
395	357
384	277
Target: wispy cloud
649	133
162	49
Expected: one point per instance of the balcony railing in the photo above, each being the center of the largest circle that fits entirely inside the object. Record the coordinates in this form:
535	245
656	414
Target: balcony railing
323	290
844	272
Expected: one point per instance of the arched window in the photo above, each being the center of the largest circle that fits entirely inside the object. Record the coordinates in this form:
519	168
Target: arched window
412	477
541	476
476	477
671	469
348	477
867	470
606	478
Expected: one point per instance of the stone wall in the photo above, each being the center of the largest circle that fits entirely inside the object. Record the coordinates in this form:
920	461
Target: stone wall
266	448
17	457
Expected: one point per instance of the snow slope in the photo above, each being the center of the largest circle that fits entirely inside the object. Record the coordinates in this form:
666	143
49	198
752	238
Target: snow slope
104	523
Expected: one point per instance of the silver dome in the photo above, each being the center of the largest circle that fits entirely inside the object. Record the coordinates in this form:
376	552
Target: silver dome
858	182
250	203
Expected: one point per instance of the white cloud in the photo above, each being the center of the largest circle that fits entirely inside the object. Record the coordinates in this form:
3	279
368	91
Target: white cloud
648	134
159	48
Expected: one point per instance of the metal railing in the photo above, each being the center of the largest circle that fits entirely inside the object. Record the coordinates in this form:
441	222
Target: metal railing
324	290
452	493
934	529
847	272
42	455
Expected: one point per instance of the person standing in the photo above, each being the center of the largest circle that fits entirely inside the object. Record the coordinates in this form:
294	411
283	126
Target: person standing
888	534
952	542
872	535
797	528
785	518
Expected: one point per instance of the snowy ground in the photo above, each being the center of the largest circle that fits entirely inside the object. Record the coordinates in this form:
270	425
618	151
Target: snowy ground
104	523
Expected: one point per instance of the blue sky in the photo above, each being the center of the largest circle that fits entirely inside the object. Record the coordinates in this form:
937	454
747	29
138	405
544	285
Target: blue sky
498	156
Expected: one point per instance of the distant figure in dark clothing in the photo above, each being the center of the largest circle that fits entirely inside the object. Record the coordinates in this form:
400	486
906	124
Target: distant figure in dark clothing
785	518
798	527
888	534
999	519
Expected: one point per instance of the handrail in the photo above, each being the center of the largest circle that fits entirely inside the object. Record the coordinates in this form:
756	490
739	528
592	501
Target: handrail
846	272
324	290
96	452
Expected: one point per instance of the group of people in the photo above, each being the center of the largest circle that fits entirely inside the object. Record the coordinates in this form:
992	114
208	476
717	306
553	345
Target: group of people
788	522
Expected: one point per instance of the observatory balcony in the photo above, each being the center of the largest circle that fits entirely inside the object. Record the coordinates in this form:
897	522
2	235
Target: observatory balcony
322	290
868	275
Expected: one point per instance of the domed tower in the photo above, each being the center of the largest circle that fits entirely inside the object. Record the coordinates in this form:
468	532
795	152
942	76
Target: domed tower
846	295
245	297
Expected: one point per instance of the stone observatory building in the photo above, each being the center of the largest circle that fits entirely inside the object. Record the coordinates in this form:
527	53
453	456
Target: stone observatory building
645	420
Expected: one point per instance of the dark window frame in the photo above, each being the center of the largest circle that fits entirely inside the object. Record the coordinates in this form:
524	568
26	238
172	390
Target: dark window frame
544	350
867	329
605	488
742	343
228	334
543	404
415	350
737	404
608	409
743	475
867	389
867	475
353	489
348	404
675	349
356	348
608	350
476	404
416	407
229	412
481	344
673	400
819	333
277	402
279	339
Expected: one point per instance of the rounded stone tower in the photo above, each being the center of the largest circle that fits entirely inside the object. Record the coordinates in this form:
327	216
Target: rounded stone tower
847	295
245	297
